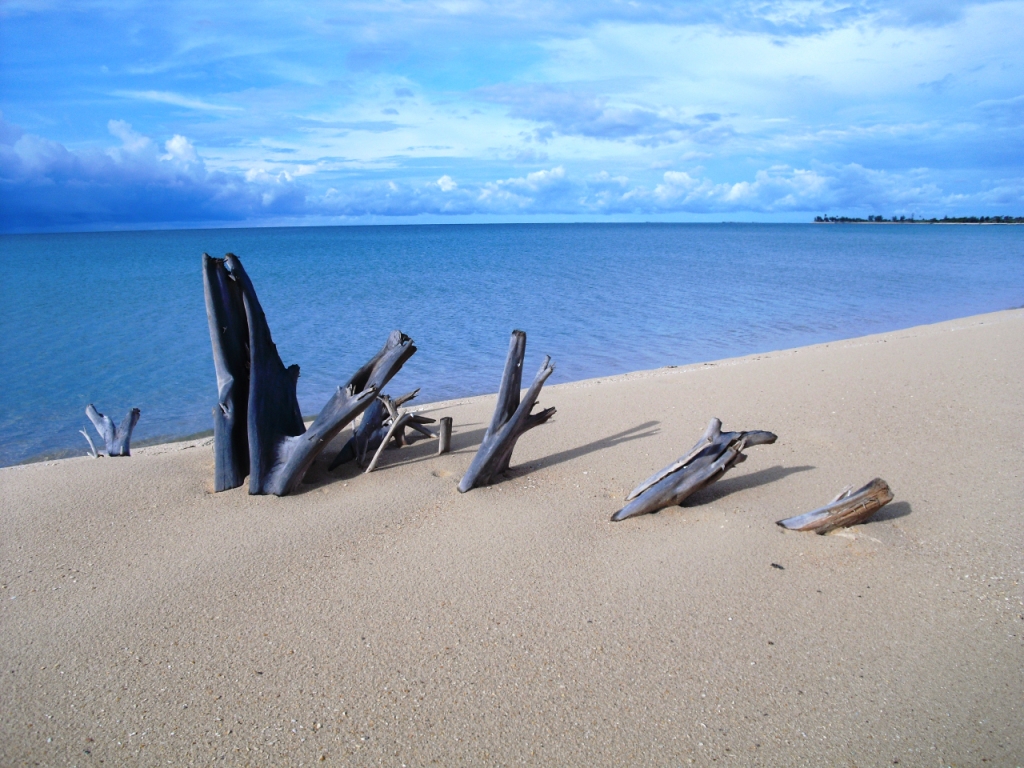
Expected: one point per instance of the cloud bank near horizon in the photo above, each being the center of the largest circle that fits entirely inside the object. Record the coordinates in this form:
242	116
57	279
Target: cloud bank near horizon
191	114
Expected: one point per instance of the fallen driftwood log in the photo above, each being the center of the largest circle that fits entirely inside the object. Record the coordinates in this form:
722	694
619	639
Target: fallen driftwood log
117	440
714	454
280	448
511	417
848	508
373	429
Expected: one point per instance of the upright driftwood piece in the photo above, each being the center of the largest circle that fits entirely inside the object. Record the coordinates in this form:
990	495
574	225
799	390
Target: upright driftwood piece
511	417
229	335
280	449
116	441
710	458
848	508
444	436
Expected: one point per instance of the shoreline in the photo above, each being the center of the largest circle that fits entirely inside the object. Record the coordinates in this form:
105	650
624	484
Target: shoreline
201	437
387	618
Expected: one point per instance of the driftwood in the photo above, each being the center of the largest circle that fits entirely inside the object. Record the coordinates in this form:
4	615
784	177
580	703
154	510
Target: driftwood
511	417
444	436
116	440
848	508
280	449
397	424
229	335
714	454
373	428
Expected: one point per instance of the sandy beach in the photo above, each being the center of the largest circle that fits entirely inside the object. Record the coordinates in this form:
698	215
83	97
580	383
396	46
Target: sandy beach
386	619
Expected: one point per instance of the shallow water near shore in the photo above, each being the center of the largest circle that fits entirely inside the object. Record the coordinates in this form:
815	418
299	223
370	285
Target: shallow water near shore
117	319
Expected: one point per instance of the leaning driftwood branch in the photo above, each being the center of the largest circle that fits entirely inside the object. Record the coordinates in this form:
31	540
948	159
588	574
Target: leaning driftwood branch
714	454
280	449
116	440
511	417
848	508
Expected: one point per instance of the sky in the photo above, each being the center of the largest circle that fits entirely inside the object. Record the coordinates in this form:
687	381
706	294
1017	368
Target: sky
135	115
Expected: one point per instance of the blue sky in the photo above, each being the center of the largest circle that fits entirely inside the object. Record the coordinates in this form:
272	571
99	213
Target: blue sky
140	114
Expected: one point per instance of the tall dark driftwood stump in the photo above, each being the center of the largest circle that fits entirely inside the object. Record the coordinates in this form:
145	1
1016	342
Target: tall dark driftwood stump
511	417
710	458
257	425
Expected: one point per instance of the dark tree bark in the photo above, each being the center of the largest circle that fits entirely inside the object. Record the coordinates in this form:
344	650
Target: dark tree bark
280	449
229	335
511	417
714	454
116	441
848	508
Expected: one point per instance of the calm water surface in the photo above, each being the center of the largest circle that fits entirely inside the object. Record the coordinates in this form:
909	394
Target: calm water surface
118	319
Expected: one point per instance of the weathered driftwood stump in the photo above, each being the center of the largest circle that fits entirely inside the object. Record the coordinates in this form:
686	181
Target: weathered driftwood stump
511	417
714	454
116	441
444	436
280	449
848	508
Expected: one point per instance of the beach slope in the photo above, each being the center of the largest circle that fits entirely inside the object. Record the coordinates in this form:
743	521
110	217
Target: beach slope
388	619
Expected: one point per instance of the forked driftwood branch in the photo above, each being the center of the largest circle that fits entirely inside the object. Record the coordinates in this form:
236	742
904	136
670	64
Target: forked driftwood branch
280	449
511	417
848	508
714	454
373	429
397	423
116	440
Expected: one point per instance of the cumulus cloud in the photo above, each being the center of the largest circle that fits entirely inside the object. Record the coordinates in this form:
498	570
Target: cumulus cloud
563	112
44	185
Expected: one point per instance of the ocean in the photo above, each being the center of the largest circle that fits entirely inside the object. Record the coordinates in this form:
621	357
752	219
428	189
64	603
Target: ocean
118	319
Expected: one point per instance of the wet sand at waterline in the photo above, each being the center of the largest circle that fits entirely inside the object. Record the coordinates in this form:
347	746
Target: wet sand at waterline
387	619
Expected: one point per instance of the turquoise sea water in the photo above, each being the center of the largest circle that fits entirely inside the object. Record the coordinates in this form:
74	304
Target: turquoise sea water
118	319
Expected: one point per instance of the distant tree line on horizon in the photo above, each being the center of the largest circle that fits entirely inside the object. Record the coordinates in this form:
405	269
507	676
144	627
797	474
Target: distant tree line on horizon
912	220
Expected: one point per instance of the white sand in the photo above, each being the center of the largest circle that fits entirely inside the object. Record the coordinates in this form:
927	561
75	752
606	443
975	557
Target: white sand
387	619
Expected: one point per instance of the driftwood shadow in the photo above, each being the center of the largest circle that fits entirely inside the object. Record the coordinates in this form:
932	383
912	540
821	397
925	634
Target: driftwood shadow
647	429
742	483
891	512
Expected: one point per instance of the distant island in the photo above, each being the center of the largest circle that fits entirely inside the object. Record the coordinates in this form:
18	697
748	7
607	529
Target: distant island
912	220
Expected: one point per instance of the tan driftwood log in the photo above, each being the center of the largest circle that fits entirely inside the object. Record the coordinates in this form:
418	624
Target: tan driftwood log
714	454
848	508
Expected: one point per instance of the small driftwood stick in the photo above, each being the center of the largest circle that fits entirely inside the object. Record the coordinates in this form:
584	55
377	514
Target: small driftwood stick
848	508
116	440
511	417
444	437
713	455
281	450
